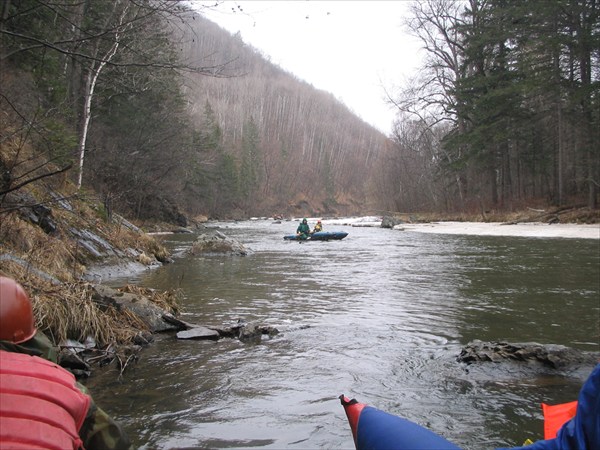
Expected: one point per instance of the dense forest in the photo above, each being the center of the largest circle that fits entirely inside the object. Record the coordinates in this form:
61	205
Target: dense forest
165	115
506	110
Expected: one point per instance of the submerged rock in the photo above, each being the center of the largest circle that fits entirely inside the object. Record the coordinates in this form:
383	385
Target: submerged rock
243	331
75	364
254	332
550	355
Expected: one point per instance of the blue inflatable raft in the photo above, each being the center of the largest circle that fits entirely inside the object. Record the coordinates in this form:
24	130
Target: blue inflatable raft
377	430
318	236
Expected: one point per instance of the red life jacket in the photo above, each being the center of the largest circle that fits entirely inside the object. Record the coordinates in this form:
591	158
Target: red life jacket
40	405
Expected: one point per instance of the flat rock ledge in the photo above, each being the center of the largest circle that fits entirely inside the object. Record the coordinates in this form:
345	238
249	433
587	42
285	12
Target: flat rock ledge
549	355
78	357
142	307
157	320
199	332
245	332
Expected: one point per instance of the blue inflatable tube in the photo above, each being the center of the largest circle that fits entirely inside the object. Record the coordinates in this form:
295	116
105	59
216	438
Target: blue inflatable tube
318	236
373	429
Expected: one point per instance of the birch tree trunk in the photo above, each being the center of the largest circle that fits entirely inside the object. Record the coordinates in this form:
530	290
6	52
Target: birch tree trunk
96	67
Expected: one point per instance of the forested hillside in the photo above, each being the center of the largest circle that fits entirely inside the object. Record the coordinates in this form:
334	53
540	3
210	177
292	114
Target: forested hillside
165	115
293	147
505	112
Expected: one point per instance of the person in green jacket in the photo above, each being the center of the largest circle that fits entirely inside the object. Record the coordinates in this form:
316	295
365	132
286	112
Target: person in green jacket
303	230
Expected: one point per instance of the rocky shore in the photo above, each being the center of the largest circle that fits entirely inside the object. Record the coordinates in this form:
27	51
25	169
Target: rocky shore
63	253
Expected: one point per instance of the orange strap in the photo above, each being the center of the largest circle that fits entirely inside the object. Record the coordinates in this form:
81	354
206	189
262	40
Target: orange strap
555	416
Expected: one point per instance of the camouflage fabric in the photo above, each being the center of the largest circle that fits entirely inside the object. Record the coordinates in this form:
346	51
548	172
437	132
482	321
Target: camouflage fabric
99	431
38	345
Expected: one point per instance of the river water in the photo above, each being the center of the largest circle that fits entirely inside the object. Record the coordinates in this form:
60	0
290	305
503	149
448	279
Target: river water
379	316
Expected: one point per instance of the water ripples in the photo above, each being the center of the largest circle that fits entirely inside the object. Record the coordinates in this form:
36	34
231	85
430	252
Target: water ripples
380	316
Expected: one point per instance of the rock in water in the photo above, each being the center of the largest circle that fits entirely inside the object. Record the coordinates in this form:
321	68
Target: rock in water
198	333
390	222
217	243
551	355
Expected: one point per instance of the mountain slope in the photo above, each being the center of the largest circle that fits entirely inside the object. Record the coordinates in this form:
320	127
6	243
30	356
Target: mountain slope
310	147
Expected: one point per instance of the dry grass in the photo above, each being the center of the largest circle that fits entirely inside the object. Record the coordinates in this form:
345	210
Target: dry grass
49	267
167	300
68	312
29	242
151	245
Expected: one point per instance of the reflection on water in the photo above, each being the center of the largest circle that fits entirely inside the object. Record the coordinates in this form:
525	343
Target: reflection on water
380	316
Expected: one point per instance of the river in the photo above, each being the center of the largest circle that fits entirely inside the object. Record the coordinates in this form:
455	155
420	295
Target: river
380	316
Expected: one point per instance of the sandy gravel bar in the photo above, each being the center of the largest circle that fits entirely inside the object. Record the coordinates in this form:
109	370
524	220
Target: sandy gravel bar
542	230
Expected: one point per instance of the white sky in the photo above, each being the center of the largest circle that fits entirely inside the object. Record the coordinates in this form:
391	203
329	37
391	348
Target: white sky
353	49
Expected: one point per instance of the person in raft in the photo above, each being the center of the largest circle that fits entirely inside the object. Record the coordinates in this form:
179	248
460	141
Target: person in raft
41	404
374	429
318	227
303	230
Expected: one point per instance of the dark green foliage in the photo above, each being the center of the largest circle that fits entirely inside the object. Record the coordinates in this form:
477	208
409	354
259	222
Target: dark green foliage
250	170
213	179
526	100
226	186
142	139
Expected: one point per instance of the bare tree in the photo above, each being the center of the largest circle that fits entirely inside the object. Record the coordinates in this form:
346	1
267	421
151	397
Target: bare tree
94	35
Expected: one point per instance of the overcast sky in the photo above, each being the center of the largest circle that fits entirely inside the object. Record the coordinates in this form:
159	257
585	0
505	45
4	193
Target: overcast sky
353	49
